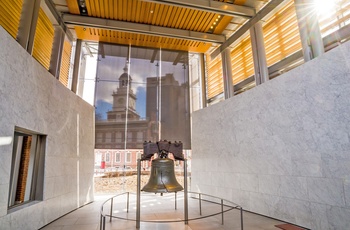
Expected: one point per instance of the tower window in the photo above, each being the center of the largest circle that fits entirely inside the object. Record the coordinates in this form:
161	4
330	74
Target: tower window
107	157
117	157
128	157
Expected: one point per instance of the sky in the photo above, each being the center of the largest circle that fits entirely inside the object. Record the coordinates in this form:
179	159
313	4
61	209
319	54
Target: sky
109	70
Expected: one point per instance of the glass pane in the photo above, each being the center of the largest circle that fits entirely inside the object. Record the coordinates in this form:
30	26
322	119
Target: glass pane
142	94
110	96
145	64
195	85
174	100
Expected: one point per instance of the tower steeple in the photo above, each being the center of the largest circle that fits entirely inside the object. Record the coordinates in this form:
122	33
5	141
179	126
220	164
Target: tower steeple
121	96
125	78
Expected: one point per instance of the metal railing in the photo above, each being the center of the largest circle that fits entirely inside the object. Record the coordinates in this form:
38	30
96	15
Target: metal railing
225	205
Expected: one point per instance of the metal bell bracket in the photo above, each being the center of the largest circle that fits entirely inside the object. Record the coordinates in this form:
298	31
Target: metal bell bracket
163	148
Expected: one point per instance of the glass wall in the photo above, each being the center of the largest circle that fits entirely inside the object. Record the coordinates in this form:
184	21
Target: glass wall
141	94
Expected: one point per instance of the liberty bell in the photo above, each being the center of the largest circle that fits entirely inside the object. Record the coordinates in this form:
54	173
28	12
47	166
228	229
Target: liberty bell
162	178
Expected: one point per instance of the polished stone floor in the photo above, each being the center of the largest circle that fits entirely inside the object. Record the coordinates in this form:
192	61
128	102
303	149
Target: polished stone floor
159	208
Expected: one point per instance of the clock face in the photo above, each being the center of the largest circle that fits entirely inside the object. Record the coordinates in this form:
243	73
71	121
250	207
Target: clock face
121	100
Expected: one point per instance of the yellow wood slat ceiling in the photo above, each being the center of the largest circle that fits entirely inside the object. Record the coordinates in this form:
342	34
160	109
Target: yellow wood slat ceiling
118	37
150	13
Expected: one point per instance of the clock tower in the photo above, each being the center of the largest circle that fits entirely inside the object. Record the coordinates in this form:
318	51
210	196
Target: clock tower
121	96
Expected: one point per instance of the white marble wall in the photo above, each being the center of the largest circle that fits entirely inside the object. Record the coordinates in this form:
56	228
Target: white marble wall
31	98
282	149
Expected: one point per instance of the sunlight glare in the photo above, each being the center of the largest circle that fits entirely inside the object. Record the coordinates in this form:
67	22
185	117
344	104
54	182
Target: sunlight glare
324	7
5	140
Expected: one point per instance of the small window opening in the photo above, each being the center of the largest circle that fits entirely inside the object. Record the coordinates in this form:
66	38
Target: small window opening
27	168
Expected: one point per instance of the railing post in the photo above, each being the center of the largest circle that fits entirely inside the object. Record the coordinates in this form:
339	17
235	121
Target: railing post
185	192
104	223
241	218
111	212
127	203
222	211
200	204
175	200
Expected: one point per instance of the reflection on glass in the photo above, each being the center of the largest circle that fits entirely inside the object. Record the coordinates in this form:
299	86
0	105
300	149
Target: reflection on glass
142	94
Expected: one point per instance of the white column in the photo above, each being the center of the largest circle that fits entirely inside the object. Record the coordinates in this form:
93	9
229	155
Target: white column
76	65
56	54
259	55
227	73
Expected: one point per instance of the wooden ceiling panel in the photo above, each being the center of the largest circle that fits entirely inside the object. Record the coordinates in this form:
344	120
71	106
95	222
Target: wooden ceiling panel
149	13
172	15
154	15
94	34
73	7
201	18
167	14
179	17
161	17
90	8
186	23
102	9
111	9
119	10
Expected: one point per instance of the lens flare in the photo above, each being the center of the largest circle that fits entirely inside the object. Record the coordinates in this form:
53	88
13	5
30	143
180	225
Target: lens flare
325	7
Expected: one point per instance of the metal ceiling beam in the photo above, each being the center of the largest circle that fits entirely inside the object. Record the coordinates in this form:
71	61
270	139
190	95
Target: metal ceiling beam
178	58
211	6
100	23
260	15
51	6
154	55
101	49
88	50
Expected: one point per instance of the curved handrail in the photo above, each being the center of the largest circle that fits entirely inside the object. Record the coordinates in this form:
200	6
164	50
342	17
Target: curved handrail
230	207
101	211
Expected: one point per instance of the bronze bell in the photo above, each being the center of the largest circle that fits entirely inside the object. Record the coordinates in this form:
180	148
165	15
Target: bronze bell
162	178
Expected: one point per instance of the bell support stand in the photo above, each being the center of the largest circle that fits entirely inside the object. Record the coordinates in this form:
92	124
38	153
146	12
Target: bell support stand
185	192
162	178
138	197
